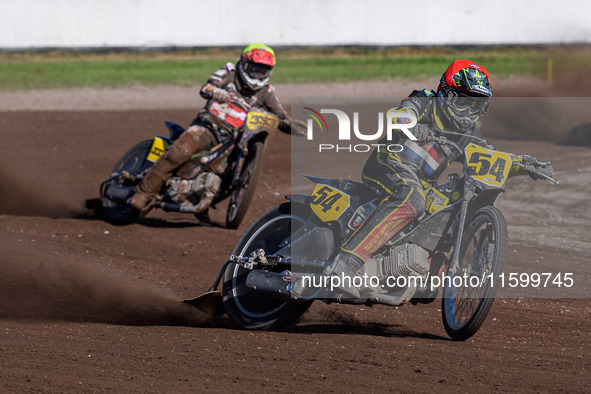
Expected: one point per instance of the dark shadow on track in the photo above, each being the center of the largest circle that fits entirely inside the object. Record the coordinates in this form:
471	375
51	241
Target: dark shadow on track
93	211
371	329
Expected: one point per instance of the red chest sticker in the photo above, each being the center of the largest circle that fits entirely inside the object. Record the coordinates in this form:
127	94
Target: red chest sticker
229	112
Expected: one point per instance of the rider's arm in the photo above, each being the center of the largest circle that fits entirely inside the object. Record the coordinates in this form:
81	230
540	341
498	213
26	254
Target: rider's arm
273	105
417	102
217	80
517	169
287	125
529	165
413	105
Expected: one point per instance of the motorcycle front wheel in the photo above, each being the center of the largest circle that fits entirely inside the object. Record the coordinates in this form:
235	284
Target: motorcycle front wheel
466	303
134	162
254	311
244	191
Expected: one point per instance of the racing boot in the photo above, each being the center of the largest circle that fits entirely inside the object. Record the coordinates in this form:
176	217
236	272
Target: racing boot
203	217
175	156
345	267
211	184
193	140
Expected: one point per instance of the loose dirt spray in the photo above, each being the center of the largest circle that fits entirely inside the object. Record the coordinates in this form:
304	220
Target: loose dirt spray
18	197
37	288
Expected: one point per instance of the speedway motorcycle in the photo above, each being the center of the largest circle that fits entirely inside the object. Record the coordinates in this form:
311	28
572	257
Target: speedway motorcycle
462	234
240	155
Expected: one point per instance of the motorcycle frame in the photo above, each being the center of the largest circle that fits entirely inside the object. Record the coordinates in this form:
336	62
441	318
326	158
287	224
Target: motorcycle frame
471	202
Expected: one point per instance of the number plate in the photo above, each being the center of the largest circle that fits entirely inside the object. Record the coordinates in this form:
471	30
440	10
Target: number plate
328	203
257	120
157	149
488	166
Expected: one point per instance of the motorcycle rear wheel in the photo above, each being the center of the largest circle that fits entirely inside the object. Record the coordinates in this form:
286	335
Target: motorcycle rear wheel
482	254
258	311
134	162
242	195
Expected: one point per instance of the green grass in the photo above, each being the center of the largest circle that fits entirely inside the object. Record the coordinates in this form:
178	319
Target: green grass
189	68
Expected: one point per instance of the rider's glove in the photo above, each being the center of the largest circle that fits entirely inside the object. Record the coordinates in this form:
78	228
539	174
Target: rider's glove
298	128
293	127
545	169
220	95
422	132
533	165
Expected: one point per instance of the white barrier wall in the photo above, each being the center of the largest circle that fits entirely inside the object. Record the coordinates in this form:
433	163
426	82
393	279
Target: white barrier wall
190	23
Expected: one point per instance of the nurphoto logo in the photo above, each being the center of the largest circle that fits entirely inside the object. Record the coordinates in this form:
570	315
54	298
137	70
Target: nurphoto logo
396	121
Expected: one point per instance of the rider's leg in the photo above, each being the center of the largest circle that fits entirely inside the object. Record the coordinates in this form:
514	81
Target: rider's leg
194	139
404	201
212	185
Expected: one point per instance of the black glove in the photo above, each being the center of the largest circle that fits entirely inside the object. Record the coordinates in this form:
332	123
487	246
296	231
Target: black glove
535	167
547	170
293	127
422	132
533	171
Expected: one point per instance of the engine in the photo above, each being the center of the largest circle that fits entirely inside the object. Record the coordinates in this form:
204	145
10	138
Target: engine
401	260
191	191
405	260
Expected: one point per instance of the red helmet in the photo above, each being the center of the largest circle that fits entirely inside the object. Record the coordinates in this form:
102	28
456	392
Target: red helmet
464	91
255	66
465	78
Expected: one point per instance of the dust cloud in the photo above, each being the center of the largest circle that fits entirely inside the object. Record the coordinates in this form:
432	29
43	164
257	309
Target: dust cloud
25	198
34	287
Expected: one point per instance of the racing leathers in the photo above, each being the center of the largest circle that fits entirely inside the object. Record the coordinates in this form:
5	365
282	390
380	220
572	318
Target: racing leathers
400	179
205	131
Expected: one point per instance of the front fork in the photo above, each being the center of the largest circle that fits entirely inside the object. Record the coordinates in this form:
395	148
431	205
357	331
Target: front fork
468	195
239	164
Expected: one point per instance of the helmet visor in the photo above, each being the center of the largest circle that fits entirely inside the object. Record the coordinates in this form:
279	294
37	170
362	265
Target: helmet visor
468	105
258	71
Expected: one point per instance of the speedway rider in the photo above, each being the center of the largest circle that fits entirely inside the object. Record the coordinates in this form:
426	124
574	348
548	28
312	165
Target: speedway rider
399	178
246	81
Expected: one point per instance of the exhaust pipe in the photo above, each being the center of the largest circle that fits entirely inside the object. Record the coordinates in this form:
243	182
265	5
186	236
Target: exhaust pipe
268	282
277	284
118	193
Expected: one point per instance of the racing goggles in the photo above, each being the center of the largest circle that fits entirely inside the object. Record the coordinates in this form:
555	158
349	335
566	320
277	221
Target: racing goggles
465	104
258	71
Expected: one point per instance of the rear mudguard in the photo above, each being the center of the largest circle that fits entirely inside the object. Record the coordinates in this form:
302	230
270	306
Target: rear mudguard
315	240
317	244
356	193
175	129
303	199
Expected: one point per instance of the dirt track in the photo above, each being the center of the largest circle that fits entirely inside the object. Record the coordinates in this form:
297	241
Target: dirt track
87	306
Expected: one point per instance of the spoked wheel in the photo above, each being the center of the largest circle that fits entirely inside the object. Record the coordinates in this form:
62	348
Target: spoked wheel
270	232
134	162
242	195
482	255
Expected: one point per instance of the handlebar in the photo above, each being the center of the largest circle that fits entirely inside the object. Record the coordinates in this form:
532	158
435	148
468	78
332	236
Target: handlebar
240	101
441	139
530	160
528	163
452	133
530	169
